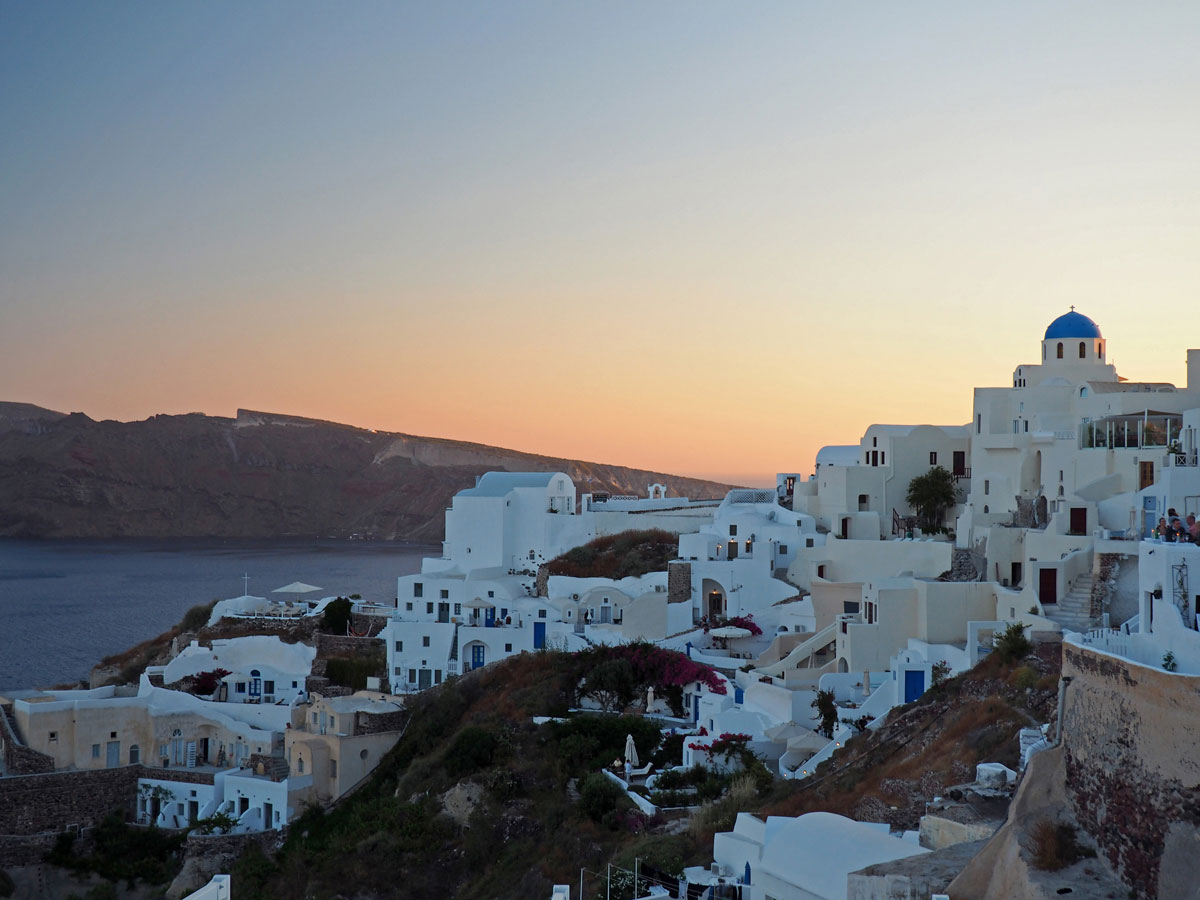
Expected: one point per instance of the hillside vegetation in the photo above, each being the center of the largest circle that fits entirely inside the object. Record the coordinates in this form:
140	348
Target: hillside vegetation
409	830
623	555
258	475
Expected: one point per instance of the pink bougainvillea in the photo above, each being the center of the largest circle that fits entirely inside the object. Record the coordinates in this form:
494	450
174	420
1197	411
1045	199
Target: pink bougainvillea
662	668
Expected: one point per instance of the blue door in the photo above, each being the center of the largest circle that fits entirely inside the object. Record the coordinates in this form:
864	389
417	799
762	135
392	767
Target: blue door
696	708
489	617
914	685
539	635
477	656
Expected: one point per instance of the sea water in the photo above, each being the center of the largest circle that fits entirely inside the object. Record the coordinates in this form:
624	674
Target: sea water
66	604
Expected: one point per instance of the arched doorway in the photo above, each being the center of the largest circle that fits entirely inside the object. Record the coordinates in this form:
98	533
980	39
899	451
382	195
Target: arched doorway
714	602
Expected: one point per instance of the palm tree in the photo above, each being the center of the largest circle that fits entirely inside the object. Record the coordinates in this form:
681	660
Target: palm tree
931	495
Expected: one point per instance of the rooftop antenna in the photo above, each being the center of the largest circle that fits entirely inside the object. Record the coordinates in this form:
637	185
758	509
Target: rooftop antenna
246	585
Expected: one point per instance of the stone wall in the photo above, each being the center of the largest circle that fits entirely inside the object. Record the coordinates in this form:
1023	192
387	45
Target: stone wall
182	775
19	759
679	582
541	584
1130	734
33	804
378	723
339	645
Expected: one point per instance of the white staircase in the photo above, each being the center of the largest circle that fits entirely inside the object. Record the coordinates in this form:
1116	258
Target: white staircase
1073	612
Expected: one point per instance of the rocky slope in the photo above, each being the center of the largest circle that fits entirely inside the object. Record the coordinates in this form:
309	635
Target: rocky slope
256	475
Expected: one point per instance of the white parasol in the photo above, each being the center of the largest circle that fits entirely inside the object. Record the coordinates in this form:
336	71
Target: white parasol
296	587
730	631
631	757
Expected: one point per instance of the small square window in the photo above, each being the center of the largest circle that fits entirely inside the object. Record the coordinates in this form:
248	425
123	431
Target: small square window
412	676
425	641
429	608
399	646
445	594
541	614
733	531
508	648
408	607
397	671
491	593
783	549
112	734
241	687
418	590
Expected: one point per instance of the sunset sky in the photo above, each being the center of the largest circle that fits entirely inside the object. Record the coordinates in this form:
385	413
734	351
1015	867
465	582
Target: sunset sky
702	238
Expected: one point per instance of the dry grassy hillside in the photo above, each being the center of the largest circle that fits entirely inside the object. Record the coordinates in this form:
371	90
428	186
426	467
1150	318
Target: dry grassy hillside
257	475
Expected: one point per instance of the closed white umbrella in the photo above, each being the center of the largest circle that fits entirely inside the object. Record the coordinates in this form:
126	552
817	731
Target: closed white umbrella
631	757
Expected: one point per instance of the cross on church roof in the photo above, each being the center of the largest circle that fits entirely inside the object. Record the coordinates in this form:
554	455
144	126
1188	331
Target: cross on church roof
1072	307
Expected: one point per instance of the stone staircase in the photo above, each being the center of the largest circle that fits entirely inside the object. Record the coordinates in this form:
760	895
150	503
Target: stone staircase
1074	611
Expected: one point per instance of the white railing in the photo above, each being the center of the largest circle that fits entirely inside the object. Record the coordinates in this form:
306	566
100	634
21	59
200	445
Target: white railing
746	495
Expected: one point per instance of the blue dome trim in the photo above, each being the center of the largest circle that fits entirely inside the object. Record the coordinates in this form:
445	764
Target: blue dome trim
1072	325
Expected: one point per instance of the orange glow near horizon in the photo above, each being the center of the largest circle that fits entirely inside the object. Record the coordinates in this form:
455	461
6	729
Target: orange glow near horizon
704	242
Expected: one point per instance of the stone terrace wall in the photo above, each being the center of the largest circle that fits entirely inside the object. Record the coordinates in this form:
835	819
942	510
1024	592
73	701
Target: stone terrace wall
19	759
340	645
679	582
1132	739
379	723
32	804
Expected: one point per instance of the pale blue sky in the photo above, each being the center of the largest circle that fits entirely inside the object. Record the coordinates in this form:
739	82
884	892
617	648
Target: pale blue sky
493	215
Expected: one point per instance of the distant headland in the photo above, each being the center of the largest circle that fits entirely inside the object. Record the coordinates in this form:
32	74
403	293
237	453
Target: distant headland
258	475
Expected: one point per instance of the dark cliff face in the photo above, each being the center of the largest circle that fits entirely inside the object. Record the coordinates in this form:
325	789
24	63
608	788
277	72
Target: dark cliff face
259	475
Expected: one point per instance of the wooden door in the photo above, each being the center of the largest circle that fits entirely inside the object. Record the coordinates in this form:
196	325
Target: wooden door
960	462
1145	474
1048	586
1078	520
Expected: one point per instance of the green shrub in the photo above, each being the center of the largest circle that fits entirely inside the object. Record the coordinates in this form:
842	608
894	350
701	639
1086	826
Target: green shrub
598	796
473	749
353	672
336	616
590	742
1024	677
197	617
618	555
611	684
123	853
826	708
669	752
1011	644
